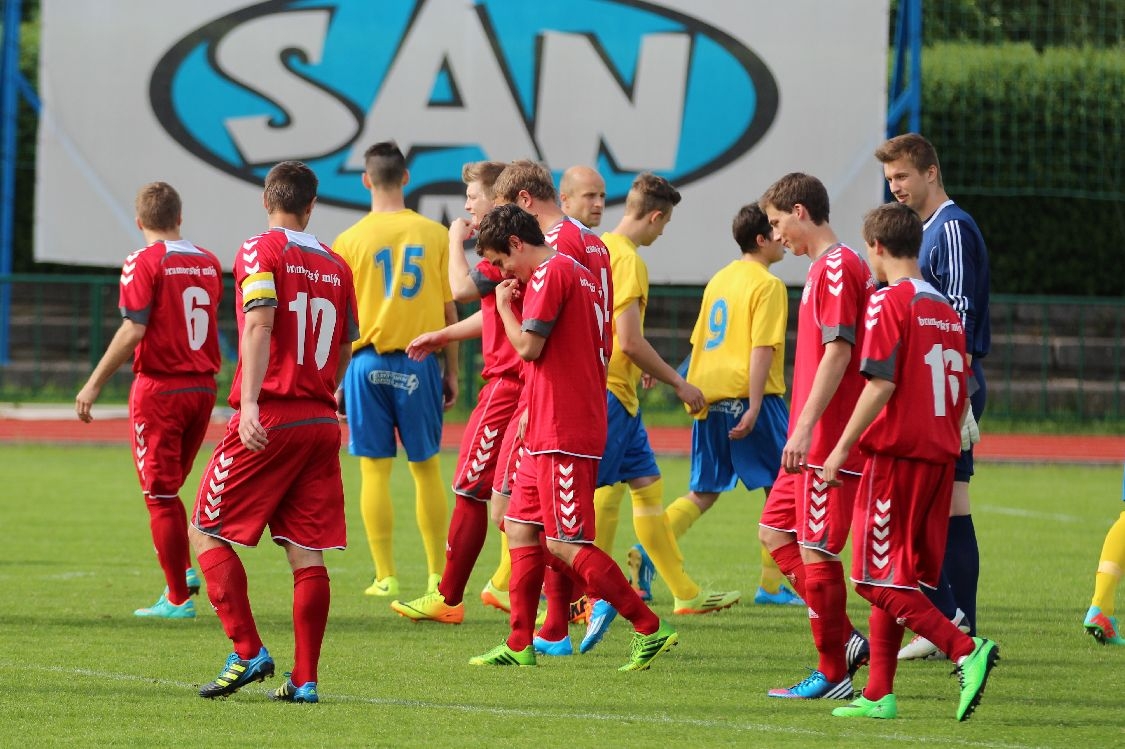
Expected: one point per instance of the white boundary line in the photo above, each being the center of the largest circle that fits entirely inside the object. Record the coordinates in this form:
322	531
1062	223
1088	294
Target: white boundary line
534	714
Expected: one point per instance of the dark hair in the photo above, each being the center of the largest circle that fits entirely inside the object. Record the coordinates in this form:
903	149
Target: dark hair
535	179
795	188
159	207
750	223
896	226
290	188
650	193
384	163
912	146
484	172
506	221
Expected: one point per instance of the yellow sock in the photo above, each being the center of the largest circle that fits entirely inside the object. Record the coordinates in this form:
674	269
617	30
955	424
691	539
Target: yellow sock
607	511
1110	567
772	578
378	513
432	510
681	514
503	571
655	535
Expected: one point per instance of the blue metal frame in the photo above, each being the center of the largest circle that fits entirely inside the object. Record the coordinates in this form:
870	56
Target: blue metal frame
905	94
9	73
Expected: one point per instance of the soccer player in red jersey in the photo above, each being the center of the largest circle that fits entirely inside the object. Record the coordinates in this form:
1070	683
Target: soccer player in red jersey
279	462
169	300
907	425
805	522
562	337
530	186
485	432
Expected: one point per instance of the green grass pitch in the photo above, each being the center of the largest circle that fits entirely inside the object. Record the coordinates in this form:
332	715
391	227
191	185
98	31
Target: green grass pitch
77	667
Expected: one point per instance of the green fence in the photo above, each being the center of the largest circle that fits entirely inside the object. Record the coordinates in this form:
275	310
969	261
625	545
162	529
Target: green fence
1053	358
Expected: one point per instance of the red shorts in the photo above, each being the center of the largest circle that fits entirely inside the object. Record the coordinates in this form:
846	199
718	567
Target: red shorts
482	445
293	485
556	490
901	519
168	417
508	461
780	510
824	513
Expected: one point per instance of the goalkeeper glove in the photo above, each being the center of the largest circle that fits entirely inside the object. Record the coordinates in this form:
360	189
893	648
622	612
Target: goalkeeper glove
970	432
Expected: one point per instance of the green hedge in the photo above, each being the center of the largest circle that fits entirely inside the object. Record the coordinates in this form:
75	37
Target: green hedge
1031	144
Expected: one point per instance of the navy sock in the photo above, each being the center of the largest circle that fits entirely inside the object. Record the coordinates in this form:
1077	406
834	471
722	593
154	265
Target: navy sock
942	596
962	565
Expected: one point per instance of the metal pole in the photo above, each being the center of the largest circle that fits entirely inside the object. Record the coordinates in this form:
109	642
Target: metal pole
9	76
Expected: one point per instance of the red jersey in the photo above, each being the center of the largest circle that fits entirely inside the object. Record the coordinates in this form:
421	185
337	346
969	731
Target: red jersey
832	308
499	357
565	386
916	340
311	287
572	238
173	288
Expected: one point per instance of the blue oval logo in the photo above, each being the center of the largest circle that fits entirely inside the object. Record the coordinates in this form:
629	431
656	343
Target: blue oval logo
622	85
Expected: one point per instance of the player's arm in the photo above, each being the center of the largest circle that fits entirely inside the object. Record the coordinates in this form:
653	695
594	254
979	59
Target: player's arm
462	330
255	357
527	344
875	395
829	373
460	279
956	264
761	359
120	349
450	379
634	345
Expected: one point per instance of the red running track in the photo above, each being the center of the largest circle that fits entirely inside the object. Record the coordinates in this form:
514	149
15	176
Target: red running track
1020	448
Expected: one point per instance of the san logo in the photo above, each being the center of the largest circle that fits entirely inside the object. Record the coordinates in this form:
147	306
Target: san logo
621	85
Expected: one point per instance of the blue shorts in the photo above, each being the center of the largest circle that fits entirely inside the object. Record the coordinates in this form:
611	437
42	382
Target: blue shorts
385	392
628	454
963	471
718	462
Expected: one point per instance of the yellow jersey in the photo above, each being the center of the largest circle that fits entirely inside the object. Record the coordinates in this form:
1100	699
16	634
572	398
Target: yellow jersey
744	307
630	284
400	262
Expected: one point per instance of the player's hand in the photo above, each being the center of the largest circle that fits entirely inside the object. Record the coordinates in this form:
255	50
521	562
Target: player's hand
691	396
830	471
84	401
506	291
341	403
250	430
647	381
521	425
744	426
970	431
461	230
426	344
450	388
795	455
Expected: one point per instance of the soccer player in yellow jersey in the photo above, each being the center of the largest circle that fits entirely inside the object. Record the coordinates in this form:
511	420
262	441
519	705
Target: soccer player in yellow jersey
628	456
738	361
400	261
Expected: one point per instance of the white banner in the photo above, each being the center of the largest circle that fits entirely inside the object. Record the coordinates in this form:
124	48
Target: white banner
721	97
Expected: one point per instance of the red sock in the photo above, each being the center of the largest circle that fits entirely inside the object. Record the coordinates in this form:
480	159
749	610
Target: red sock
523	591
922	617
312	595
602	575
467	530
168	522
788	558
559	588
885	640
827	595
226	587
